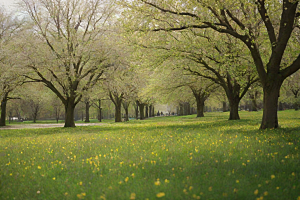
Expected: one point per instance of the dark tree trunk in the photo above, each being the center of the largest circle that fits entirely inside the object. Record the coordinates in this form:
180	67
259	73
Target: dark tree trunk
3	112
234	108
146	112
136	108
270	104
153	114
150	111
117	100
118	113
87	111
126	106
69	110
224	106
97	105
56	114
180	109
141	108
200	107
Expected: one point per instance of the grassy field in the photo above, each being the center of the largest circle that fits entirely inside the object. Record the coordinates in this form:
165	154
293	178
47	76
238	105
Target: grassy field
159	158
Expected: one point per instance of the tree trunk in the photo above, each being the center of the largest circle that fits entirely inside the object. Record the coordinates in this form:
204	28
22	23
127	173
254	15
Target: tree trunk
270	103
3	112
150	111
126	106
69	109
87	111
153	114
234	108
180	109
141	107
146	112
224	106
200	107
99	110
126	114
136	108
118	114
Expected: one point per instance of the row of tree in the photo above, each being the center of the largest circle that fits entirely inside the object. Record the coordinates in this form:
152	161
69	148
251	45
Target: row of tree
138	52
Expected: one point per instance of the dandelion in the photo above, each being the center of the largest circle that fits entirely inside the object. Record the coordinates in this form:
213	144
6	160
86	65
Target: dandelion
126	179
237	181
39	167
277	188
167	181
256	192
293	174
80	183
53	178
272	176
210	189
161	194
266	193
132	196
157	182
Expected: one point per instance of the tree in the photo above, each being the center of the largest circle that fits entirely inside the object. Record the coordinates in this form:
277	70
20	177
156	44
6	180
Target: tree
265	28
10	77
66	48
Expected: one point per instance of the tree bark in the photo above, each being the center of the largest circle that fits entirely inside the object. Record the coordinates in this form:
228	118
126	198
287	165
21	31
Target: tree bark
3	112
270	103
146	112
200	107
118	113
99	111
141	108
69	109
126	106
87	111
234	108
180	109
136	108
153	114
150	111
224	106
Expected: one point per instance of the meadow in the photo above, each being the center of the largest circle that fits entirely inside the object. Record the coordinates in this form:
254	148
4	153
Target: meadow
158	158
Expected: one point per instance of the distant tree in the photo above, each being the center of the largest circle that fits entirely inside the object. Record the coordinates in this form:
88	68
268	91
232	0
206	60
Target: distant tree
66	48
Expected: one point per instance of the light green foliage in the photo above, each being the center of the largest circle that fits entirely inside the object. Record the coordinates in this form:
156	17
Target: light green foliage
174	157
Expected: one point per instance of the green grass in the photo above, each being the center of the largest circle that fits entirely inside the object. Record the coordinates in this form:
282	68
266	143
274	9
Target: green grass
175	157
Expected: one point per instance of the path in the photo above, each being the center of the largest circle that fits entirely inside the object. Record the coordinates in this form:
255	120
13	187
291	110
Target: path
22	126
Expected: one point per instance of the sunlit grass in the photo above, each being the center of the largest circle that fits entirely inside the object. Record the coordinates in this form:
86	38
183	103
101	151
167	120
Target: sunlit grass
158	158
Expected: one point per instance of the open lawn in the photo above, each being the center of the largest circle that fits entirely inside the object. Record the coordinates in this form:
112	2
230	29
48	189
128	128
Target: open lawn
158	158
